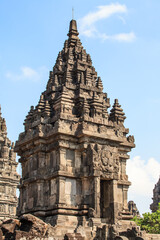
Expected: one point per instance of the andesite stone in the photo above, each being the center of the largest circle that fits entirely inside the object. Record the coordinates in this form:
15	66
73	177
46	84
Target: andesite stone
73	152
133	209
156	197
9	178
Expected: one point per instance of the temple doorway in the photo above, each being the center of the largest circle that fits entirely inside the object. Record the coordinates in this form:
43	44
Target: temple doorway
105	199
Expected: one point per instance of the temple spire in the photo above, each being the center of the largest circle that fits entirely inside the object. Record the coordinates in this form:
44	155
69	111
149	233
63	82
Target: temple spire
73	32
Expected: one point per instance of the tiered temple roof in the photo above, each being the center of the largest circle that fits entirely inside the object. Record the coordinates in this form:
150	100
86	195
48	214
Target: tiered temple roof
74	89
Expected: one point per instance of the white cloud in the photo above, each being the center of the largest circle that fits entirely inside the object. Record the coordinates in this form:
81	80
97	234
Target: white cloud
102	13
88	28
124	37
27	73
143	176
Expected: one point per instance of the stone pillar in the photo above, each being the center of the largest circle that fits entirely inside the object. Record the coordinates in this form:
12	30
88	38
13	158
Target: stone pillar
125	193
20	205
97	196
40	193
62	158
77	159
61	190
123	167
114	200
42	159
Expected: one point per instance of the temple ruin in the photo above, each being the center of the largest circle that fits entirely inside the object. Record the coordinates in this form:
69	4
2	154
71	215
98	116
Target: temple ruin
156	197
9	179
73	151
133	209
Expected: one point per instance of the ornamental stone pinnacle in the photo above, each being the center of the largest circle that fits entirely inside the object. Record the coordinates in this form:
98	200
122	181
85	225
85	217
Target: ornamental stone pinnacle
9	178
73	152
117	114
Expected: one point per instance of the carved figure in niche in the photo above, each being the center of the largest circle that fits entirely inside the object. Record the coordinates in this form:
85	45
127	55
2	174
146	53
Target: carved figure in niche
110	161
105	159
94	156
91	213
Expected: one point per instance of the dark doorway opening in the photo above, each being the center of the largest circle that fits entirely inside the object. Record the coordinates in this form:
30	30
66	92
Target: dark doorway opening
105	200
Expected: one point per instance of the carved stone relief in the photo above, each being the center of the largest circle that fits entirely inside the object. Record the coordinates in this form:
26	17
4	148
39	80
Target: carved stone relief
104	159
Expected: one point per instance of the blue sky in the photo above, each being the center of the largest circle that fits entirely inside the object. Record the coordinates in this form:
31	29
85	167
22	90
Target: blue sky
123	39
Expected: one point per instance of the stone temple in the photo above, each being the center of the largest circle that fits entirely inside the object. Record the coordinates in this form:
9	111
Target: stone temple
156	197
73	151
9	179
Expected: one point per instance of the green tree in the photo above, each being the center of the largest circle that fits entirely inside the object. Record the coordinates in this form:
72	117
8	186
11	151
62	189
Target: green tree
150	222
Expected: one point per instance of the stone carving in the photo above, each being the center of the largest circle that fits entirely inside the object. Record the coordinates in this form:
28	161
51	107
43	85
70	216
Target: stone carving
91	213
9	178
130	139
124	177
119	133
103	158
110	160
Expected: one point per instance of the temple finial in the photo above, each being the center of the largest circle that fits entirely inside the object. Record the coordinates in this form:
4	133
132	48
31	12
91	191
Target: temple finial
73	28
73	33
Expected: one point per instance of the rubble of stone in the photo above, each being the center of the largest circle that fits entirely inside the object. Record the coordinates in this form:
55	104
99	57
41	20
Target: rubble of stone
27	227
133	209
156	197
9	179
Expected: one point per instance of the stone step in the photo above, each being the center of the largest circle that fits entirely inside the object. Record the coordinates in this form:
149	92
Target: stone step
73	236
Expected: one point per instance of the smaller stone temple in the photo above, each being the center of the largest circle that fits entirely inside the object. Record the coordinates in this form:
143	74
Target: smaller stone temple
9	178
156	197
133	209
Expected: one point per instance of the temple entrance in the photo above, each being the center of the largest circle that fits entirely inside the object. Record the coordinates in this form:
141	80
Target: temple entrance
105	199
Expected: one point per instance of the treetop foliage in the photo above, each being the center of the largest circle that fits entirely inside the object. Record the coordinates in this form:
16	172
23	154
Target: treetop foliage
150	222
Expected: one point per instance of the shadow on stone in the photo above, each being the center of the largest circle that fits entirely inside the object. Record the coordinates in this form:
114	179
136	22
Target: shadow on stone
26	225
